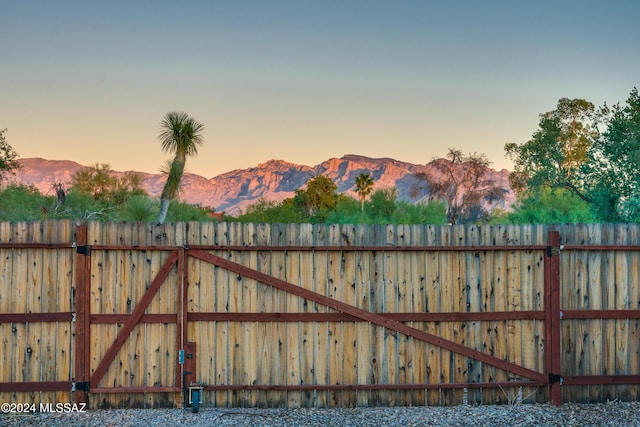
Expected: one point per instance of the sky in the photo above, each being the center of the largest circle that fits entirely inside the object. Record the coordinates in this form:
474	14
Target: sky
302	81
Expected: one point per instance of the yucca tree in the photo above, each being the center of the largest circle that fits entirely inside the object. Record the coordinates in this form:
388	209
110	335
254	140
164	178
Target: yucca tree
181	135
364	187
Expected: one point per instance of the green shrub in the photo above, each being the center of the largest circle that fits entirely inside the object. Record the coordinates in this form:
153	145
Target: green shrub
24	203
184	212
140	209
551	206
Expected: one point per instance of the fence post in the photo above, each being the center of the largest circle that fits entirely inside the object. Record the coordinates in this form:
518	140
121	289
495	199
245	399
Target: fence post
552	317
181	311
82	365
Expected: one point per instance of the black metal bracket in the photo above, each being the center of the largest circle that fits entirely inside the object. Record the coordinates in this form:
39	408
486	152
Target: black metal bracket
81	386
83	250
555	378
551	251
185	395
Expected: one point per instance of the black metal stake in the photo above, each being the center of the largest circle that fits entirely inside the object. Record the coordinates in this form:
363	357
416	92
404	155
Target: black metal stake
184	389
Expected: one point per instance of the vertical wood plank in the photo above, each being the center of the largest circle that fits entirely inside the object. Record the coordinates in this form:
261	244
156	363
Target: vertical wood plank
432	301
6	329
123	285
251	291
34	294
538	237
236	304
279	340
377	302
581	302
141	266
347	294
50	304
264	304
391	291
337	343
296	305
363	330
474	304
623	302
419	303
499	330
633	332
404	304
20	301
594	302
487	304
460	304
308	330
514	295
448	281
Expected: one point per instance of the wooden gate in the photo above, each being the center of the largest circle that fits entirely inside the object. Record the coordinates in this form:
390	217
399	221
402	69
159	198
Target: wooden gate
397	323
129	321
109	344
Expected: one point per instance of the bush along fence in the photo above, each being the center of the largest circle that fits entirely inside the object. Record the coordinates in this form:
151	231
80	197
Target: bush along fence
125	315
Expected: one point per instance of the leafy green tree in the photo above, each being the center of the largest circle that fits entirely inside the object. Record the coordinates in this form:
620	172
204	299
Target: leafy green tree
364	187
555	154
629	208
464	182
97	181
128	185
181	135
102	184
8	157
270	212
613	170
383	208
318	198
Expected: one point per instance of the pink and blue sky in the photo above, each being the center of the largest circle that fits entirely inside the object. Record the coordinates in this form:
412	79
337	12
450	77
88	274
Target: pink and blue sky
302	81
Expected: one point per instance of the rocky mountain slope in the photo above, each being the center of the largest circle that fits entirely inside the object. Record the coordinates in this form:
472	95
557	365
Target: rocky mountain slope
273	180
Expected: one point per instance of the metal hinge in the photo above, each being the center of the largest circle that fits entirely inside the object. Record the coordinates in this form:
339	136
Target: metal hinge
81	386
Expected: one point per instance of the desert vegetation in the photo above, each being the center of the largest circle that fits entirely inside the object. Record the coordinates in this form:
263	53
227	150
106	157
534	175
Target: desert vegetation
581	165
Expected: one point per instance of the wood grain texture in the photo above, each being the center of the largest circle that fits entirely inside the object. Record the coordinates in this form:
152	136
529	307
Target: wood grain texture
295	353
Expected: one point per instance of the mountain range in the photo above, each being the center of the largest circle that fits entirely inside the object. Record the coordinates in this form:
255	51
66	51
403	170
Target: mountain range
234	191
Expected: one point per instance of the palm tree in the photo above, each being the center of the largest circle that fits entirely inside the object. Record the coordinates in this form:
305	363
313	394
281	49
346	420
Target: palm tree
364	186
181	135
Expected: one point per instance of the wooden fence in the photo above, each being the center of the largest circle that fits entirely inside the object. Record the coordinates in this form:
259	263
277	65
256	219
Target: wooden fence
301	315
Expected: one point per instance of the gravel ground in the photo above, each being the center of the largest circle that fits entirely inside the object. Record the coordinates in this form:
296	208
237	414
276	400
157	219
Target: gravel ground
607	414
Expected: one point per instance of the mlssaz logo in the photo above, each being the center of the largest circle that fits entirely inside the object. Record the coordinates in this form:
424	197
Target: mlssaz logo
63	407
